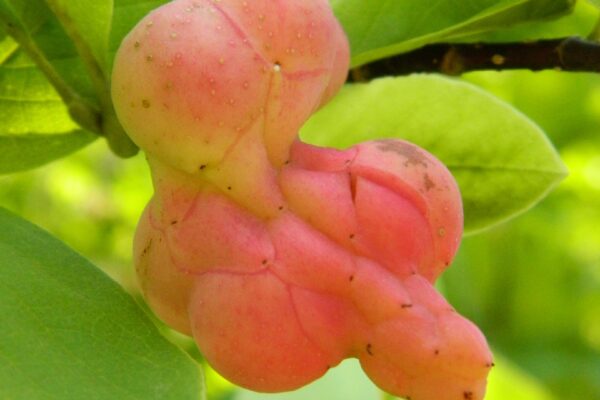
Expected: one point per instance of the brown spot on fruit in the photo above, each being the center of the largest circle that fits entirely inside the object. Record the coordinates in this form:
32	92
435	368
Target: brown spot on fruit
147	248
410	152
370	349
145	103
429	184
468	395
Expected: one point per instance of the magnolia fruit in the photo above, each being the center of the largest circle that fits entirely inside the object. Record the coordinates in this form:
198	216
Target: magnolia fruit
280	258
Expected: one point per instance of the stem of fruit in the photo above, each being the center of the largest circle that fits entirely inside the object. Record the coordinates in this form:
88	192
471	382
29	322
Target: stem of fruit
565	54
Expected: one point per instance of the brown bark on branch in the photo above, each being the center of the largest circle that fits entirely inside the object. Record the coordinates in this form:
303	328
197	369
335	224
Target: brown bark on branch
566	54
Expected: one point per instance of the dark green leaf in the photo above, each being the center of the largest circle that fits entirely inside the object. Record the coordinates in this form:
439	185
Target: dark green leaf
89	22
127	14
69	332
503	163
25	15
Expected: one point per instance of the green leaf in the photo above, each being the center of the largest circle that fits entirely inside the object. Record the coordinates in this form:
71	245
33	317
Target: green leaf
69	332
127	13
71	48
580	22
530	11
504	163
27	15
28	103
23	152
89	22
384	28
35	26
35	126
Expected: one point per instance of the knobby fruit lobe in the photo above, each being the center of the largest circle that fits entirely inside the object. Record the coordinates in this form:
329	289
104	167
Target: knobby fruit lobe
281	258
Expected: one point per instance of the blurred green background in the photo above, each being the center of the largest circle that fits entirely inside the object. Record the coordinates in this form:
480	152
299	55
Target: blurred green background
532	284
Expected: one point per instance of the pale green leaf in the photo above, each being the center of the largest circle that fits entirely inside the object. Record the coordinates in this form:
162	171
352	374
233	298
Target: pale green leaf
28	103
70	332
346	381
35	126
7	46
503	162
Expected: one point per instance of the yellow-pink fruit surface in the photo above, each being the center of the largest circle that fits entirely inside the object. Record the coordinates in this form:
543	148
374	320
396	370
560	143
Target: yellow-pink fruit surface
280	258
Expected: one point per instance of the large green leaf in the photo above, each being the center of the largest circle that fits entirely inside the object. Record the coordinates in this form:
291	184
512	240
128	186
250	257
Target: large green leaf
69	332
503	163
383	28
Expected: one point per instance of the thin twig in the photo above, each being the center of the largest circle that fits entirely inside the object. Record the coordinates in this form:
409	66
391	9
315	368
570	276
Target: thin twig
566	54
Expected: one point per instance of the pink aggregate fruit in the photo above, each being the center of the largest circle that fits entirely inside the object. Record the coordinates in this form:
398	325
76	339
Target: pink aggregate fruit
280	258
